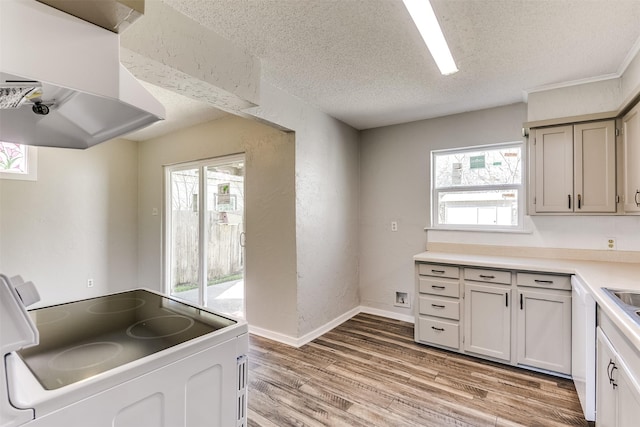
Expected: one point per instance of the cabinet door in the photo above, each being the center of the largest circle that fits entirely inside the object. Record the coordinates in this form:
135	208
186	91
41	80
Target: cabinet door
628	394
544	329
631	159
605	392
487	322
554	169
595	167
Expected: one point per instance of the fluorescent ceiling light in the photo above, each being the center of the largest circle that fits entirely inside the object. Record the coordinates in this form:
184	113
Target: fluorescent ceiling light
425	19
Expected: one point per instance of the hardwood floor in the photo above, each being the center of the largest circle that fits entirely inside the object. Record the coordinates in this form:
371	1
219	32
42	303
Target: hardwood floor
370	372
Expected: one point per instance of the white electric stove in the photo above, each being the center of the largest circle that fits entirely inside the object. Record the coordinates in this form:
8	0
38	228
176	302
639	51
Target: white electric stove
127	359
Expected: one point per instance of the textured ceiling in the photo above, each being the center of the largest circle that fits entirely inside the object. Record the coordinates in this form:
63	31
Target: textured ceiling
363	61
181	112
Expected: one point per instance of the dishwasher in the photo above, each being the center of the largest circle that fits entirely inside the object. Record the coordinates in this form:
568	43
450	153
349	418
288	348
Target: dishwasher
583	346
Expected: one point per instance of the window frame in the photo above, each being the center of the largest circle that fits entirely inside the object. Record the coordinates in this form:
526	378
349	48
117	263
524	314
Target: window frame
32	166
521	188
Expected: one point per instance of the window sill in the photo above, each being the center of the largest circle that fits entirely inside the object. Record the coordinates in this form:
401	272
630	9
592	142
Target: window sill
481	230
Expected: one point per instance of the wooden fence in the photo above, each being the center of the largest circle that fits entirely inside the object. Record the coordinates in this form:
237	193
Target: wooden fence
224	253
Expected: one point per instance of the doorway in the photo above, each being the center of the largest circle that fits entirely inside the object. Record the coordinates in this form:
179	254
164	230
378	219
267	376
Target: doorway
204	235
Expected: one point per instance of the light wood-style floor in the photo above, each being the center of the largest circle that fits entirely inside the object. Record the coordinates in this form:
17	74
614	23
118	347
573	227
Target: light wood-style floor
370	372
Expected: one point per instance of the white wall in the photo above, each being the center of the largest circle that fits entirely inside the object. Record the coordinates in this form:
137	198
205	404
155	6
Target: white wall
77	221
631	79
326	209
607	95
270	281
596	97
395	186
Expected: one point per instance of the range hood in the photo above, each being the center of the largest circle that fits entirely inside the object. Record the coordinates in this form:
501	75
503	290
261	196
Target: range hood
61	81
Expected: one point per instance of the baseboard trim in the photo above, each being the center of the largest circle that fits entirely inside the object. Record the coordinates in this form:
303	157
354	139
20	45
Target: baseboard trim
388	314
299	342
274	336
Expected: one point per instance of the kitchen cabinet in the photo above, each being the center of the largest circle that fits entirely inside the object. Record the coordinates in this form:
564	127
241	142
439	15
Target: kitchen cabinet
544	329
631	160
476	310
574	168
438	308
617	391
544	321
487	326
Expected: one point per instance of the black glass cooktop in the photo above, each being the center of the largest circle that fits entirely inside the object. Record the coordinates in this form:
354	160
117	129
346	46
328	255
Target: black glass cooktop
84	338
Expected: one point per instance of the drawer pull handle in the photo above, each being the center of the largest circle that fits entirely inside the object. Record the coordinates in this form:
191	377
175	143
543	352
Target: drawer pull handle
544	281
437	287
437	271
437	329
487	277
437	306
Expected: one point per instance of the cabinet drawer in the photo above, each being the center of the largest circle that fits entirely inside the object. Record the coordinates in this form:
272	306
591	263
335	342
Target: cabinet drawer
439	332
440	307
489	276
443	287
548	281
438	270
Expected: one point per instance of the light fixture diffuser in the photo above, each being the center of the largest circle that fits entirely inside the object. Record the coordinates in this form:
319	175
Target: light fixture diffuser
425	19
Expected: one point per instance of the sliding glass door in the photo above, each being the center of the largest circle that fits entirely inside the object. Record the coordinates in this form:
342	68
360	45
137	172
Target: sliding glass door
204	233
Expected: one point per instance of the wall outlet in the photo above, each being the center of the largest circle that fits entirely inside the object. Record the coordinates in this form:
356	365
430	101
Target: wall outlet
611	243
394	225
89	283
402	299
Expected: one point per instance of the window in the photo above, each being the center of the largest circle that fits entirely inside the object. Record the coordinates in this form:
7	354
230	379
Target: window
477	188
17	161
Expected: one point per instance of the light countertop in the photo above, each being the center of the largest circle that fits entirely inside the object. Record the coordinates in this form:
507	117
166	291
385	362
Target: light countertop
594	274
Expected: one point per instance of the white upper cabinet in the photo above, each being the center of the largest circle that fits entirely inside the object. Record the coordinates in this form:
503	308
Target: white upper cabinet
575	168
594	163
554	169
631	159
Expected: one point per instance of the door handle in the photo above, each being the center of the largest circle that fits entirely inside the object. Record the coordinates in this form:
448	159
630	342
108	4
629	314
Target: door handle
521	302
636	198
506	300
569	196
610	367
437	306
579	201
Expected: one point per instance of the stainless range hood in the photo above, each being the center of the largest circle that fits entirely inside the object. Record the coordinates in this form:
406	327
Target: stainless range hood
75	93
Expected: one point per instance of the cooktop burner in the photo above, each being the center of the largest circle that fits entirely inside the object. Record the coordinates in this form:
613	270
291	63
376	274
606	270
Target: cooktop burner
159	327
116	305
83	338
85	356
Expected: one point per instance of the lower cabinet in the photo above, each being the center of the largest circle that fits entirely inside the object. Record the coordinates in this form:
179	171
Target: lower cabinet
544	329
617	389
487	325
514	317
439	332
